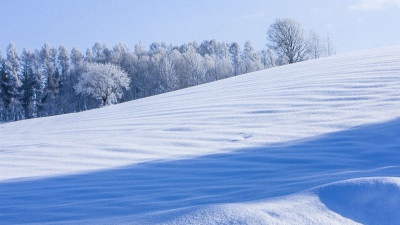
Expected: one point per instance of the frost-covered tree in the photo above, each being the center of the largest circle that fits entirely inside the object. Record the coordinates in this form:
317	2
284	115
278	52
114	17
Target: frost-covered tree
78	102
178	62
236	59
195	69
251	58
65	84
107	53
98	54
168	75
48	56
89	55
104	82
316	49
28	84
143	75
268	58
38	85
11	84
286	37
329	47
3	89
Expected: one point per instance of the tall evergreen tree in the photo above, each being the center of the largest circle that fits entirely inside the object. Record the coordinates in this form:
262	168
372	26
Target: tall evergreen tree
77	101
12	85
64	83
49	67
28	93
5	96
38	85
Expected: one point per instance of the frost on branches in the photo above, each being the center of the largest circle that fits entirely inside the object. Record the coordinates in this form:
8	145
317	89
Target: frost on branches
104	82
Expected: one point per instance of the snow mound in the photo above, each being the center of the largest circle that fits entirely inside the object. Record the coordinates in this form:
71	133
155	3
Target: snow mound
368	201
354	201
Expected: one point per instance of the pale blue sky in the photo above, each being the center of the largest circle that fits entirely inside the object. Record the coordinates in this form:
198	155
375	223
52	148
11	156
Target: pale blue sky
352	24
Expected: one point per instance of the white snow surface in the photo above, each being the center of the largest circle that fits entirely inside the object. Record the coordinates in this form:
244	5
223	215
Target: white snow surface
288	145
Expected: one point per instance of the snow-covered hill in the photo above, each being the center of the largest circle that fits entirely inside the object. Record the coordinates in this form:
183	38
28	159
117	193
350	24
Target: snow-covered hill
274	146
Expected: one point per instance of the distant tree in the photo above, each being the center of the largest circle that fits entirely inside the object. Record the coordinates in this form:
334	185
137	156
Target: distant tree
12	84
89	55
77	101
315	46
38	85
142	76
195	69
329	47
98	55
5	95
104	82
236	59
286	37
1	91
107	53
28	82
154	48
320	47
48	57
65	86
223	66
251	59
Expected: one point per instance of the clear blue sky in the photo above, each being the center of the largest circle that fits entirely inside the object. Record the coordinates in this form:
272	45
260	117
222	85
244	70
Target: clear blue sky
352	24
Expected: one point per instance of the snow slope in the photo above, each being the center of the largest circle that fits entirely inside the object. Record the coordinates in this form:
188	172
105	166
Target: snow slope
249	149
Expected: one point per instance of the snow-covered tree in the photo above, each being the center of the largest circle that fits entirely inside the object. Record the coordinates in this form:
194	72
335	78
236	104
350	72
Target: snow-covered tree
268	58
89	55
251	59
315	46
11	84
195	69
48	56
65	81
78	102
104	82
28	82
3	89
38	85
329	47
98	54
168	75
286	37
234	50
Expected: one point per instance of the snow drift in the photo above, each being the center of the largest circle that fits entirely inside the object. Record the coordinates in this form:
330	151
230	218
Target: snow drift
249	149
368	200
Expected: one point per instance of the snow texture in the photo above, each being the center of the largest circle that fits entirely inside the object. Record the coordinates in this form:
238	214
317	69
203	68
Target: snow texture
279	146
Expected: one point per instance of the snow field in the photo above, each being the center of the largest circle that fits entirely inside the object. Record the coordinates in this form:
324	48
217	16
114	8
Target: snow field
252	149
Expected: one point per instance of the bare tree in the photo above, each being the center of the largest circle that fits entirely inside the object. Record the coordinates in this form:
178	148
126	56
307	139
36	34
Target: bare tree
104	82
286	38
329	47
316	48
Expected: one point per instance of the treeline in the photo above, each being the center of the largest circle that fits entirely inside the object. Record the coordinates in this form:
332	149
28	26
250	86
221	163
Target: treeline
42	82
